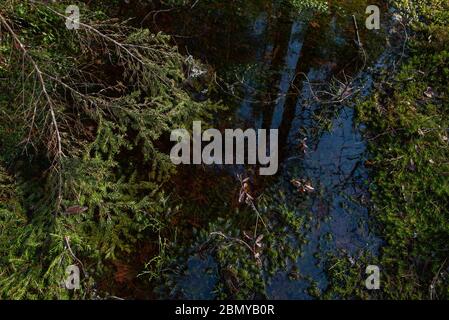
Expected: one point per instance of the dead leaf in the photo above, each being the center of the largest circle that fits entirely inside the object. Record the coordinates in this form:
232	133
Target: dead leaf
303	186
303	145
412	166
75	210
429	93
258	241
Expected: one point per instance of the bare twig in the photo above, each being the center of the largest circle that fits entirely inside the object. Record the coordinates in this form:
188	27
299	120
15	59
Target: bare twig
39	74
67	244
253	251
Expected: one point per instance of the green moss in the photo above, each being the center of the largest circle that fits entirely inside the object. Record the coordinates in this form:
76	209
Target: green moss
408	121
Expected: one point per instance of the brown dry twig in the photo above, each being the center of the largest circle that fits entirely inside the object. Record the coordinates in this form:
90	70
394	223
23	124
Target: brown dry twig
40	76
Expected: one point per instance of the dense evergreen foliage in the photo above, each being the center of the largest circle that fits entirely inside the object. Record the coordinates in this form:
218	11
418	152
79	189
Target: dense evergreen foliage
82	113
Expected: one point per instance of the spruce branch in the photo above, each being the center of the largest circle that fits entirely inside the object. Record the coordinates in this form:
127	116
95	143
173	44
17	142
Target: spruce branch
41	80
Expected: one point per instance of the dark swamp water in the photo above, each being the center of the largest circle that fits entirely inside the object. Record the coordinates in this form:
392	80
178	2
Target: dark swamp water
300	73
